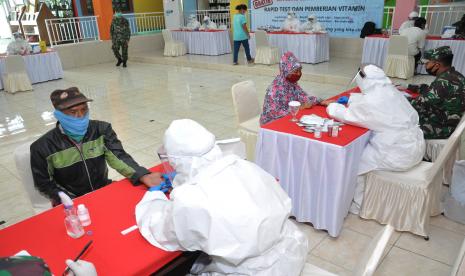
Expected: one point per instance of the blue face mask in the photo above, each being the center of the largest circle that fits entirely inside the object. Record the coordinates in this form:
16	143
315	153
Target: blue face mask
75	128
118	14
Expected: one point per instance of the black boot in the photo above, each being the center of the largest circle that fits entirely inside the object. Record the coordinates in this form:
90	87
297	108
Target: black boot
119	62
124	64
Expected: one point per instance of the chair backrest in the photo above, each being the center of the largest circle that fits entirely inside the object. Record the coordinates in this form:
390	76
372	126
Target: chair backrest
459	265
245	101
167	35
14	64
232	146
260	38
398	45
23	165
373	253
450	148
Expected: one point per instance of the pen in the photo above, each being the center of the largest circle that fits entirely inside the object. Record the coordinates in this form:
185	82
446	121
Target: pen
79	256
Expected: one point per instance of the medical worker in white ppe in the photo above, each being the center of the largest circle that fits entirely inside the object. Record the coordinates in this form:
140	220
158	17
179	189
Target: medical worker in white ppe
208	24
396	141
410	22
18	46
193	24
291	24
312	25
225	206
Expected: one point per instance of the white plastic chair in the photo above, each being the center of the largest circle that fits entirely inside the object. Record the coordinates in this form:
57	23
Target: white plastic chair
23	165
232	146
15	77
247	110
265	54
369	260
173	48
406	200
398	62
434	147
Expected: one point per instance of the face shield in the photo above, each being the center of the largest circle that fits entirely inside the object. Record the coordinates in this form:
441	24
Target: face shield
167	167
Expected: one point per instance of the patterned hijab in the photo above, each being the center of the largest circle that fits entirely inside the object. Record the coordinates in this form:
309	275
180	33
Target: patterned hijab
281	91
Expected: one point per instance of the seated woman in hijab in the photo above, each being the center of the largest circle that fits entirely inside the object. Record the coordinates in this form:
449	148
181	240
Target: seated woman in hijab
285	89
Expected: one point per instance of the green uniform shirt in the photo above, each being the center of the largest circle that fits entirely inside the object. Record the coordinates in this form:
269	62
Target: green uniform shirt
441	105
119	29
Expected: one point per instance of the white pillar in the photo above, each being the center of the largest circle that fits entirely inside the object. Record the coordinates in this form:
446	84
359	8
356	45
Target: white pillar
173	14
5	31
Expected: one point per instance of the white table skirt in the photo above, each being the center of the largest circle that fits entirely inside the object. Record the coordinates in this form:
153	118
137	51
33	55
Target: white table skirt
205	43
39	67
319	177
375	51
308	48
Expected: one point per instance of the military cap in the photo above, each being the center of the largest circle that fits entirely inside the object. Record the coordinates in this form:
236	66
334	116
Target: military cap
437	53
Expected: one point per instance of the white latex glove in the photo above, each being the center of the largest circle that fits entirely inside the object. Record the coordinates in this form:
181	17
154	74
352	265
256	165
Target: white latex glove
81	268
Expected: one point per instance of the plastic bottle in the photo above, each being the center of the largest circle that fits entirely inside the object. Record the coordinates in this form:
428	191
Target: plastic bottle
72	223
83	215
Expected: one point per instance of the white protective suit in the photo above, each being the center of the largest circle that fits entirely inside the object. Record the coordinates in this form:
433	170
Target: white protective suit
312	25
18	46
396	141
193	24
291	24
226	207
208	24
410	22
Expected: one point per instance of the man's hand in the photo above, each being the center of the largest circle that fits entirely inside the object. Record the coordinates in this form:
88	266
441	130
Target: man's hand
81	268
151	179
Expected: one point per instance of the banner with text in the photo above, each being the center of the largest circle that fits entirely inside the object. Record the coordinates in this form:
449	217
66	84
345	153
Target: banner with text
343	18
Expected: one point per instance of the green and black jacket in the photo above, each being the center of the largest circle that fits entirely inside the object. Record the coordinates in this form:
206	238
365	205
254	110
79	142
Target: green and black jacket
58	164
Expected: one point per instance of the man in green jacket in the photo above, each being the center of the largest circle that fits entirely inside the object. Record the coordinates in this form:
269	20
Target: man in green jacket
120	35
73	156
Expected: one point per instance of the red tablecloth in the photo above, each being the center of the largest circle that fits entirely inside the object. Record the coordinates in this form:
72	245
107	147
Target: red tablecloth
346	135
112	209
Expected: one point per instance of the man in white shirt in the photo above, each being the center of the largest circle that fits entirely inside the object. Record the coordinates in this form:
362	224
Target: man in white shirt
416	37
410	22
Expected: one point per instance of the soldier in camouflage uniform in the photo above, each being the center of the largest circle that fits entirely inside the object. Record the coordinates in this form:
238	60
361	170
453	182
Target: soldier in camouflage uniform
441	104
120	35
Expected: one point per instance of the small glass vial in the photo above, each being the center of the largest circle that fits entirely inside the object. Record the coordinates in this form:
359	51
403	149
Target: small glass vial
317	132
72	223
335	131
83	215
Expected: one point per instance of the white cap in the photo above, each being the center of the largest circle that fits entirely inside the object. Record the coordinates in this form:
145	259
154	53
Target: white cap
294	103
206	18
312	16
81	207
187	138
413	14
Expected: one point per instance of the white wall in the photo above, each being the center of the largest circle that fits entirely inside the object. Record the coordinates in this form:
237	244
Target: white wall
96	52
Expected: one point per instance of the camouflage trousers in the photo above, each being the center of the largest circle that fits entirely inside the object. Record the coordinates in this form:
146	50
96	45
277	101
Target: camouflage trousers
116	45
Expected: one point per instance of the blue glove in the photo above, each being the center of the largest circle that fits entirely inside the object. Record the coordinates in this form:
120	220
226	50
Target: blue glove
343	100
166	184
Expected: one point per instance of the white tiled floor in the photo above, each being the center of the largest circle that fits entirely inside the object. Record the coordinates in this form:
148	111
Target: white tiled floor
143	99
